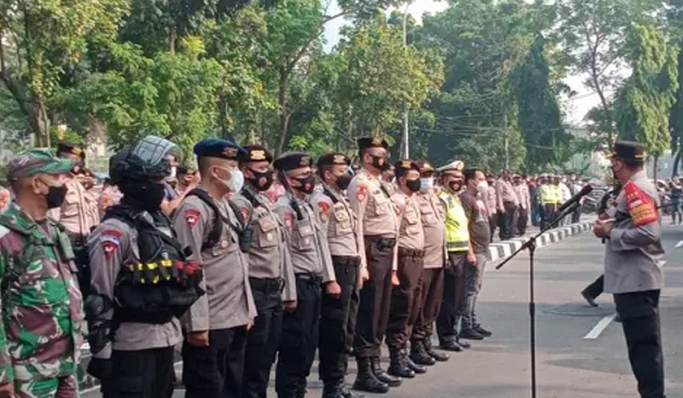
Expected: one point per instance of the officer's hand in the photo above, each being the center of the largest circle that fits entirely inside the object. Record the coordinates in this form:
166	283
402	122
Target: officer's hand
394	279
198	339
333	289
100	368
364	276
471	258
289	306
7	390
250	324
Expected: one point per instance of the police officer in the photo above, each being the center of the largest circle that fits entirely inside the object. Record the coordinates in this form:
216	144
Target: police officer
142	281
43	325
312	266
633	270
271	274
215	328
404	298
378	224
338	314
431	286
458	246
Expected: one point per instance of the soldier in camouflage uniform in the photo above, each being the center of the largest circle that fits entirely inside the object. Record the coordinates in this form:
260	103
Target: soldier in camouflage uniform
41	304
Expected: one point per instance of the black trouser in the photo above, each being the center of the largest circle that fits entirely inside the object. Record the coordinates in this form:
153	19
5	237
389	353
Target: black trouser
375	297
431	294
452	306
595	289
140	374
549	214
522	221
264	337
507	221
493	223
405	298
338	321
639	313
299	339
576	215
216	371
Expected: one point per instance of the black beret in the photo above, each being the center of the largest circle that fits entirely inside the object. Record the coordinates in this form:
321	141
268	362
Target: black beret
370	142
256	153
67	147
218	148
293	160
404	166
628	150
331	159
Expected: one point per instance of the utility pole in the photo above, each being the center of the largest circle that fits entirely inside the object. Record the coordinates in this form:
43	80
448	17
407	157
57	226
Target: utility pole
406	148
507	138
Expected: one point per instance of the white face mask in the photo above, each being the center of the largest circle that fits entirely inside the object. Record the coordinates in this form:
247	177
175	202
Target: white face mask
426	184
483	186
236	181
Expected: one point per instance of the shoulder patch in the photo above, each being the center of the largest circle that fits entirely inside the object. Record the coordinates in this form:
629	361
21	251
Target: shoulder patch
361	191
192	216
245	213
110	240
289	219
323	210
641	206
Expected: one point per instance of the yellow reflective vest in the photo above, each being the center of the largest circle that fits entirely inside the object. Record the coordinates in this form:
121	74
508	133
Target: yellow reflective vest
457	228
546	194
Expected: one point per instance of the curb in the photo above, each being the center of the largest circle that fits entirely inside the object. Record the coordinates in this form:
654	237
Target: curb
501	250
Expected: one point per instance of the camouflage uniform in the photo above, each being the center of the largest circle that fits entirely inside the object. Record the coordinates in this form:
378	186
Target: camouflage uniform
41	304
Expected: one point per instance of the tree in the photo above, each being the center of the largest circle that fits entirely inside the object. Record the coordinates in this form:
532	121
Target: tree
644	102
39	40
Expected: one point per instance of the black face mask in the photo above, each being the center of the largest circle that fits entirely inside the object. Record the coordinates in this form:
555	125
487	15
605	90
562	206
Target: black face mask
343	181
455	185
413	185
307	184
261	181
380	163
55	196
148	194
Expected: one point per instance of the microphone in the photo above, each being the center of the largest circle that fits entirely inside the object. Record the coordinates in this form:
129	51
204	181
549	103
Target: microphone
583	192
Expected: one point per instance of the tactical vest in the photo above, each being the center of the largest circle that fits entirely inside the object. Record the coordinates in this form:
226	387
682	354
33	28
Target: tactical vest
457	228
163	284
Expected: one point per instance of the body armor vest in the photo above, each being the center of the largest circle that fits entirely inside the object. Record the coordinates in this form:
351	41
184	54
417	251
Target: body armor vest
163	284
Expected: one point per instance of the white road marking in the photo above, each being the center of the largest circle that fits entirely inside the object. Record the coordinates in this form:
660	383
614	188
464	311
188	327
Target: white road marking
679	244
602	325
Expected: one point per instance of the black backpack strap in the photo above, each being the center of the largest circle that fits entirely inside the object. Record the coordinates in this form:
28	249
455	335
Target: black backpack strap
217	228
327	192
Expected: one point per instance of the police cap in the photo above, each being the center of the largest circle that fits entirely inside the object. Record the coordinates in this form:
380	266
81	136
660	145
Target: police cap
67	147
426	168
628	150
332	159
218	148
292	161
372	142
456	165
402	167
256	153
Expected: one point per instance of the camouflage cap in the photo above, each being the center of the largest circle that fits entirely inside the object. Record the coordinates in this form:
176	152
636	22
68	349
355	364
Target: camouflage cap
36	161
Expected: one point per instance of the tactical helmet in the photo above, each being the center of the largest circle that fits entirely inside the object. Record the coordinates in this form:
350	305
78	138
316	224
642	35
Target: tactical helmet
146	160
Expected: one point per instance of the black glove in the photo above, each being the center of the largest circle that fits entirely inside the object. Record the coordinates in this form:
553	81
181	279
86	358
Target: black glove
100	368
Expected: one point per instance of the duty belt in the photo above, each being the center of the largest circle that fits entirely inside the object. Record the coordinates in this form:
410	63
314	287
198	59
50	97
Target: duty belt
346	261
311	278
267	285
405	252
381	241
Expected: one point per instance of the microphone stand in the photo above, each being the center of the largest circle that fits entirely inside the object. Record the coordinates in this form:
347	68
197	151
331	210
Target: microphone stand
531	246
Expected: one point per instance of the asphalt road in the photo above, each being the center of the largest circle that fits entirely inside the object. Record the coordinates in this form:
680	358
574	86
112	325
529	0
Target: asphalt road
569	365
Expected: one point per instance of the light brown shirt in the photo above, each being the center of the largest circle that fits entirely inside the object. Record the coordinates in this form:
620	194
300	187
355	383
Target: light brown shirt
80	211
431	211
411	234
375	211
339	222
522	191
505	193
491	200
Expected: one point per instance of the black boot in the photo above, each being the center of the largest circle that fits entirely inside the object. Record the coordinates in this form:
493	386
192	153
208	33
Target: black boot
366	379
419	355
418	369
382	375
429	349
398	366
332	390
346	393
450	344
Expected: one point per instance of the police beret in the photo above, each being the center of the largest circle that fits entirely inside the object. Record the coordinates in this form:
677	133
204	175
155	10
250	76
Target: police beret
372	142
256	153
628	150
218	148
425	166
292	160
404	166
67	147
331	159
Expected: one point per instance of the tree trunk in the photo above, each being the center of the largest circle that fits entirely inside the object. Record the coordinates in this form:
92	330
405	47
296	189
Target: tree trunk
655	161
40	123
284	114
172	36
677	161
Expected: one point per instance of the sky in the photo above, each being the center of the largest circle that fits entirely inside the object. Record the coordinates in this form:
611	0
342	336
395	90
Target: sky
575	108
